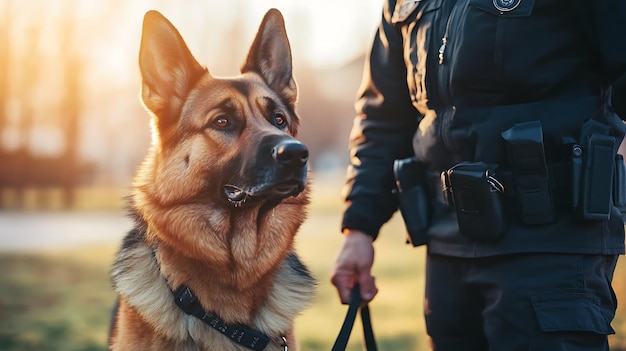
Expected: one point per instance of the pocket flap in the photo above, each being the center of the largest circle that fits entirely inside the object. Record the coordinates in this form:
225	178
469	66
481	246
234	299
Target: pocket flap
571	312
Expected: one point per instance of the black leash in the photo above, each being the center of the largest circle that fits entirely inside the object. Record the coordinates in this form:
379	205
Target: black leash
348	323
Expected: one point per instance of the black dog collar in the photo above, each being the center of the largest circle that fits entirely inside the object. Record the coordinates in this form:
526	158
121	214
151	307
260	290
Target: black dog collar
241	334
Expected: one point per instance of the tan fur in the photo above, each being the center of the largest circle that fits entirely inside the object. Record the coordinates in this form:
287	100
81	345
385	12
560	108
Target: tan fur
237	257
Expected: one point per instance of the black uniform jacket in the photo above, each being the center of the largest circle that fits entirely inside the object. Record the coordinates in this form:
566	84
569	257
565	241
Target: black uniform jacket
559	62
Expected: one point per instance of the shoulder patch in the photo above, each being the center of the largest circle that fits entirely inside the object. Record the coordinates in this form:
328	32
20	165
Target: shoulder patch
403	9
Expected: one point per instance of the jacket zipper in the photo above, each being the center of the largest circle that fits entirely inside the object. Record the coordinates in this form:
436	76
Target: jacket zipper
444	76
444	66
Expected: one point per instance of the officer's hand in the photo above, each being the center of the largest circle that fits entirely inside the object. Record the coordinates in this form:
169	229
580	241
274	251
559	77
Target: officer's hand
353	265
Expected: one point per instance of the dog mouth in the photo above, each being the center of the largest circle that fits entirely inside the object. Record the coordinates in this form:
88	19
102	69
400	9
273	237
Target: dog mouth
238	196
235	195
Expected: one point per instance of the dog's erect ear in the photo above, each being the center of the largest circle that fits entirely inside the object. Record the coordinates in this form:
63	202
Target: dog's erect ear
270	56
168	69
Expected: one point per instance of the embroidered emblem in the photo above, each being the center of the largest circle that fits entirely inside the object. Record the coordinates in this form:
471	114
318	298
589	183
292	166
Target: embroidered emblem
403	10
506	5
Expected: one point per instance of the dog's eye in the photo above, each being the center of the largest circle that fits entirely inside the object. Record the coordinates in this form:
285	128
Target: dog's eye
221	122
279	120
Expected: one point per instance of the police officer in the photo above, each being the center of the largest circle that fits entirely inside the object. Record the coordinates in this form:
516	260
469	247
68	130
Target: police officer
518	102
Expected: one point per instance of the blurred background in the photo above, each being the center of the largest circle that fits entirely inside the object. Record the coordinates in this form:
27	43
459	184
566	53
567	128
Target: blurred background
69	110
73	131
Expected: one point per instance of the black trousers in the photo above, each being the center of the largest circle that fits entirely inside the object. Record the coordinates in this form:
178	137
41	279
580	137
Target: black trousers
530	302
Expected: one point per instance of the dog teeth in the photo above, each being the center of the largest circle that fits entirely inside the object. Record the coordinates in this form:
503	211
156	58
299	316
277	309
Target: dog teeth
238	203
235	195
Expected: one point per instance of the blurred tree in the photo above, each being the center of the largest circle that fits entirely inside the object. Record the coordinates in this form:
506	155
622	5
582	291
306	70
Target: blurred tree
46	81
5	23
69	107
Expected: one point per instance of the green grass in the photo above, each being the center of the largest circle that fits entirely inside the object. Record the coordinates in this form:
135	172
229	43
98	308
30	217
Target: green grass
62	300
396	311
55	301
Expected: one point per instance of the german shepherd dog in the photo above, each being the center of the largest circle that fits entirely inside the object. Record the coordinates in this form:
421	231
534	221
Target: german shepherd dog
210	263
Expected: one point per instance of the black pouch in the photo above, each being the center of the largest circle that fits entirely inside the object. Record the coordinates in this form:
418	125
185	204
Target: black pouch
598	171
524	146
478	200
411	189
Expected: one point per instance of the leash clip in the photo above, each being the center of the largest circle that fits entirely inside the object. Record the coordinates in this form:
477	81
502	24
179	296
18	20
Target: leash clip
284	345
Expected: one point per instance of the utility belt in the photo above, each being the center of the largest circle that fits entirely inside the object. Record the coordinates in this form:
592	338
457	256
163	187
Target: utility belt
589	181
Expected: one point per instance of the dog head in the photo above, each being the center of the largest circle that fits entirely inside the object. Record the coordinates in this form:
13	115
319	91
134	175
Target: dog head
231	139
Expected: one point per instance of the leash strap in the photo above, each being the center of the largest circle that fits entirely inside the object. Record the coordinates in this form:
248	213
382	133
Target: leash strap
348	323
241	334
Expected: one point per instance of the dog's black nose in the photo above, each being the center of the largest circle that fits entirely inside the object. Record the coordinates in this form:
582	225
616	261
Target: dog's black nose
290	153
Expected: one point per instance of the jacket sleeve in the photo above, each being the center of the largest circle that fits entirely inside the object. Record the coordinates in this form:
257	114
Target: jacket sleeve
605	24
382	132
